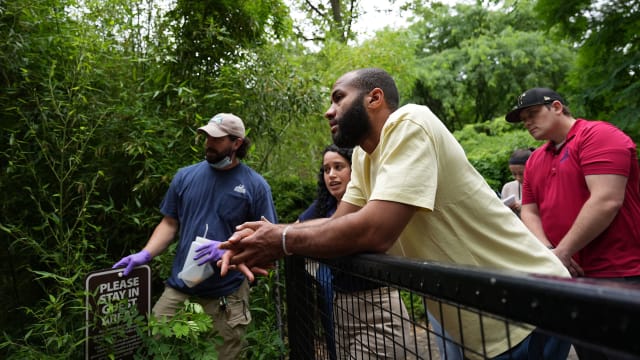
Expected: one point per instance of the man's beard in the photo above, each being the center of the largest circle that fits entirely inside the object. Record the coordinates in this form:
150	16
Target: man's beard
353	126
213	157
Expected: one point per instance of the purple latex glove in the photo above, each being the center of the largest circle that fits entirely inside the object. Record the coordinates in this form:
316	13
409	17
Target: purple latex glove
209	252
132	261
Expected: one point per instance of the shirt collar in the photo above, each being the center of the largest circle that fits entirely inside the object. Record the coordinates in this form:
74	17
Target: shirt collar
551	146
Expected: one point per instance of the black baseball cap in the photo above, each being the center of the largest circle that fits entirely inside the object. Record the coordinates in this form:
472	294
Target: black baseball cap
532	97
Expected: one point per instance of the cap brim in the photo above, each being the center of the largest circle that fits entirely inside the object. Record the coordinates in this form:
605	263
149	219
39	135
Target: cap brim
212	130
513	116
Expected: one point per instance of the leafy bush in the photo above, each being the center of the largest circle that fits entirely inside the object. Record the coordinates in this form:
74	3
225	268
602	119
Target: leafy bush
489	145
55	326
264	332
187	335
415	305
292	195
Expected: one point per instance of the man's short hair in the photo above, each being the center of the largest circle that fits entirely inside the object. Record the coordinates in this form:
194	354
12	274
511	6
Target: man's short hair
371	78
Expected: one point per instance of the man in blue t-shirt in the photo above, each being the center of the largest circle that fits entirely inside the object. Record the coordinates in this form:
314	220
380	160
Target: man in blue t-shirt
209	199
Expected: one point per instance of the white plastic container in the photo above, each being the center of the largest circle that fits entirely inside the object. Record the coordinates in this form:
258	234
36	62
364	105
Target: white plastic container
192	274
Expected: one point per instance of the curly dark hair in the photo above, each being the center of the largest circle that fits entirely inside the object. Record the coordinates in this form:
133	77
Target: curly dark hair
242	151
325	200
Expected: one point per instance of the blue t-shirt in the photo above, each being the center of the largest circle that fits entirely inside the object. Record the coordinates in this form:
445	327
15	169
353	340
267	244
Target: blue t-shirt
202	198
309	214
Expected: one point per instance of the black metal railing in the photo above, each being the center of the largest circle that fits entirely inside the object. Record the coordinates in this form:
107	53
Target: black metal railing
595	314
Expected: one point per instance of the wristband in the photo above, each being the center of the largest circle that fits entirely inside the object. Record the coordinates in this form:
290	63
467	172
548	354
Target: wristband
284	241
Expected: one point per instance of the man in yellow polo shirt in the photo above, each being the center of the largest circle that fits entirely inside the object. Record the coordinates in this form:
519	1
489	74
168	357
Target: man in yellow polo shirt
406	163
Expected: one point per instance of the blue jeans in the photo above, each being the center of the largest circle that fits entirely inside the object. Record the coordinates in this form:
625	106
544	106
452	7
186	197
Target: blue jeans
325	280
538	346
449	350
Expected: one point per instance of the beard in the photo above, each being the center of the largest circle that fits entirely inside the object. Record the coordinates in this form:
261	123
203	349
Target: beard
213	156
353	126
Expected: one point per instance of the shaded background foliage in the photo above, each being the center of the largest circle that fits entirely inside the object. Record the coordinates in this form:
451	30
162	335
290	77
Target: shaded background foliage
605	80
473	58
100	102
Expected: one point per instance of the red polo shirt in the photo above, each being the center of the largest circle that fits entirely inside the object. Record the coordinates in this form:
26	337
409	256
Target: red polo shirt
555	181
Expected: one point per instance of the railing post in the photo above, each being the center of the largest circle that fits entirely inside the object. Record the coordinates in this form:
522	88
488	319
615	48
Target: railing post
299	305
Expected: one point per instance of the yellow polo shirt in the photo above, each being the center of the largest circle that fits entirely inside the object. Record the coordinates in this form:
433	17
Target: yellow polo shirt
460	220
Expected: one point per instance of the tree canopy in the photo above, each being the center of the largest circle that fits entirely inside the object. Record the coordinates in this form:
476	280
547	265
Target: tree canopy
604	83
473	61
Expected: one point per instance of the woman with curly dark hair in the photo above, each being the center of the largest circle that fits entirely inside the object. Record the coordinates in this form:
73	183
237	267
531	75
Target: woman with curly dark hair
334	175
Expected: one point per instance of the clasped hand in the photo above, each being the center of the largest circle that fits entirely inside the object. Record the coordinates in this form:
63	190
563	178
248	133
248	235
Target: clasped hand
252	249
569	263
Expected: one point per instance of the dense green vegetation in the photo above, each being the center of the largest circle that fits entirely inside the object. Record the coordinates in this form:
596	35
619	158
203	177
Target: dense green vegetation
100	99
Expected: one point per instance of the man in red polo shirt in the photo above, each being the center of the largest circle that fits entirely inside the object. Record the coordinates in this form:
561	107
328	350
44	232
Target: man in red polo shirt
581	192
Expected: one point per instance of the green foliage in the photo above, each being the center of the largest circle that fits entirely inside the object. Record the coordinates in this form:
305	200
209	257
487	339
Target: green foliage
94	127
292	195
474	61
489	145
280	104
82	170
56	327
187	335
390	50
209	34
114	324
604	82
264	333
326	20
52	172
415	305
